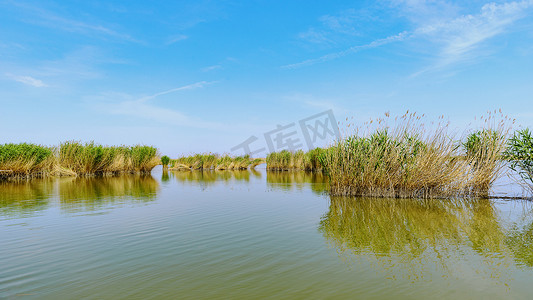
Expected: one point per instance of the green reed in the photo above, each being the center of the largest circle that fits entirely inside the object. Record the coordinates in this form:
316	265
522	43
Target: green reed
24	159
520	154
213	161
74	158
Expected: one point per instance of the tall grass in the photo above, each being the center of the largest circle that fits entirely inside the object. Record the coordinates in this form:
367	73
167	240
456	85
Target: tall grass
299	160
25	159
520	154
165	160
93	159
405	161
75	159
213	161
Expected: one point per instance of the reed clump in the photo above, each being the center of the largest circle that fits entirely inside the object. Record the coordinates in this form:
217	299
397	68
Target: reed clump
520	154
25	160
165	160
213	161
74	158
407	161
87	159
298	160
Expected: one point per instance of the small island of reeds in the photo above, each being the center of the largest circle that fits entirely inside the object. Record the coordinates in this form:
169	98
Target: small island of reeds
408	160
74	158
213	161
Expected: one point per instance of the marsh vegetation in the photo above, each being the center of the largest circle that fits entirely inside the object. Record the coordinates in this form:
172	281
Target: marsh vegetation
407	160
74	158
213	161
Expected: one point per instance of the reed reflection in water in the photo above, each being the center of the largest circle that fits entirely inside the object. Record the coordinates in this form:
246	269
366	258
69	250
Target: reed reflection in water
410	237
290	180
94	193
211	177
25	197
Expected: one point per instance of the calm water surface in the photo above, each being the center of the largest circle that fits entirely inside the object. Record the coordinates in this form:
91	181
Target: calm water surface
254	234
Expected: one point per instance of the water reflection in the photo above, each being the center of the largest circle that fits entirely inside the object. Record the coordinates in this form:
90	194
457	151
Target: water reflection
93	193
210	177
289	180
409	237
165	177
25	197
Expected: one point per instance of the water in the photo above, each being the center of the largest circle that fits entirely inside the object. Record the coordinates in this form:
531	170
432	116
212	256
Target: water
257	234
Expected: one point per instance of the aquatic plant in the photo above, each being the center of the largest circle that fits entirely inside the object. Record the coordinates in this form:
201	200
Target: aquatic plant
520	154
407	161
165	160
25	159
298	160
93	159
74	158
213	161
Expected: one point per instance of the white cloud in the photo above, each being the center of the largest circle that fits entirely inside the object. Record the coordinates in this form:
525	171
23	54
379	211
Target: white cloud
123	104
193	86
376	43
176	38
211	68
452	38
458	38
49	19
28	80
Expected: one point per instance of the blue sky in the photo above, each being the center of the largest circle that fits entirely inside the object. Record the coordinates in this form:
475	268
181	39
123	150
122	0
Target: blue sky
193	76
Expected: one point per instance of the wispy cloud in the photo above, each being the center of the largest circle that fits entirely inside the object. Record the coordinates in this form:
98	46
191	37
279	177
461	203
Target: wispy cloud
60	74
376	43
40	16
334	27
211	68
175	38
28	80
311	101
460	37
143	108
193	86
454	38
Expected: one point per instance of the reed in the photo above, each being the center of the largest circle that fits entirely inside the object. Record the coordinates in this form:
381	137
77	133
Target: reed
213	161
520	154
25	160
406	161
298	160
73	158
92	159
165	160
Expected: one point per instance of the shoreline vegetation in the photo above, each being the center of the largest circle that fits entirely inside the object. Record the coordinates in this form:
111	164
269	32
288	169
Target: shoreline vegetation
400	158
72	158
406	160
213	161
